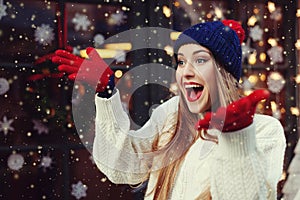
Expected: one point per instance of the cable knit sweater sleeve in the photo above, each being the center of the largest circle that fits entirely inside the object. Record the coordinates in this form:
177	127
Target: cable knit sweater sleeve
248	163
125	155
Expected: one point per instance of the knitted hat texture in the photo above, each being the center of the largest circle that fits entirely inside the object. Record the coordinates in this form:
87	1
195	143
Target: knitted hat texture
222	38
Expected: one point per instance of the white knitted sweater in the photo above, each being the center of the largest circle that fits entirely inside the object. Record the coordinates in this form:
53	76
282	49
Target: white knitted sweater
246	164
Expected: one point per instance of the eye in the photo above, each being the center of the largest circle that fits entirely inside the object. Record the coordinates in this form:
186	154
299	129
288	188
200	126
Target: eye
180	62
201	60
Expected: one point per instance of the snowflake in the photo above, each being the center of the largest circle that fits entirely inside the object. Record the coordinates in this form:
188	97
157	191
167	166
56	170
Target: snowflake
275	54
5	125
275	82
256	33
276	15
44	34
15	161
246	50
117	18
98	40
39	126
79	190
46	162
2	10
81	22
4	86
92	159
120	56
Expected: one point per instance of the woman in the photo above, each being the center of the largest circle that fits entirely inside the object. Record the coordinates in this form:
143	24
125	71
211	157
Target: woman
205	143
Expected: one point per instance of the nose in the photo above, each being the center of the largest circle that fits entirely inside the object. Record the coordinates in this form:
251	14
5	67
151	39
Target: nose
189	70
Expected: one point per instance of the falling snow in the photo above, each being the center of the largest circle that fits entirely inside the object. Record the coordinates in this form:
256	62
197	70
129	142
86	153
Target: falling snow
81	22
40	127
44	34
15	161
5	125
256	33
4	86
79	190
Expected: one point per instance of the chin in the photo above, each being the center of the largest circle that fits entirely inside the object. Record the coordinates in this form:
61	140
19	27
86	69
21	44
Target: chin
197	106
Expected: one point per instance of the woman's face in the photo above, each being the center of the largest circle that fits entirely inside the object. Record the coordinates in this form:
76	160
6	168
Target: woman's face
195	76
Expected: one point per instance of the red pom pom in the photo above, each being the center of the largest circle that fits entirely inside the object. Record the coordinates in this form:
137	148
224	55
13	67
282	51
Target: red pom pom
236	26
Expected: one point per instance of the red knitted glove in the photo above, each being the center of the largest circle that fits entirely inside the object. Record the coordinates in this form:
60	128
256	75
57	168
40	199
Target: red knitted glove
94	70
235	116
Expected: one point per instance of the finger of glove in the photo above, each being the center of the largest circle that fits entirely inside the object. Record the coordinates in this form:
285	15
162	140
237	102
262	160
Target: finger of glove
72	76
100	63
68	69
67	55
204	123
258	95
66	61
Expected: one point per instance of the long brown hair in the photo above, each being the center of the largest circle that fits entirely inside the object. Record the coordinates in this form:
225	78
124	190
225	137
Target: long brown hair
185	134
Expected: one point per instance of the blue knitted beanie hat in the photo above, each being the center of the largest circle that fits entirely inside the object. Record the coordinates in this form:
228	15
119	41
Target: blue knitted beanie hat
222	38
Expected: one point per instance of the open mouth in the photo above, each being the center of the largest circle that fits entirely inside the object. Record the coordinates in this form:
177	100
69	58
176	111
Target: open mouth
193	91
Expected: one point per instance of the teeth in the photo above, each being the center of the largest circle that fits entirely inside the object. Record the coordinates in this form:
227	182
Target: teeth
192	86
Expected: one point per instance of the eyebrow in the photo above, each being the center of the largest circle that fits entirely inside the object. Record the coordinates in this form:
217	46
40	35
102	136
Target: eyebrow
195	52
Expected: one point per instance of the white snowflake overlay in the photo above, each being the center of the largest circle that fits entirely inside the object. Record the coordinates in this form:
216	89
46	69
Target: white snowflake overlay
46	162
3	7
275	54
15	161
79	190
44	34
4	86
81	22
275	82
256	33
40	127
5	125
117	18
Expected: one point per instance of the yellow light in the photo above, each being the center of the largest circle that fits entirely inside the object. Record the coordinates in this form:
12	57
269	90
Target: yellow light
261	43
218	13
272	42
166	11
176	4
298	13
252	58
297	78
273	106
297	44
189	2
169	50
295	111
253	79
119	46
174	35
276	76
252	20
271	6
262	57
256	11
118	73
104	53
262	77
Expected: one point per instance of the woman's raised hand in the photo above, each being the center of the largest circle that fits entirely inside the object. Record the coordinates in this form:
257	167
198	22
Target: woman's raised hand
93	70
235	116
